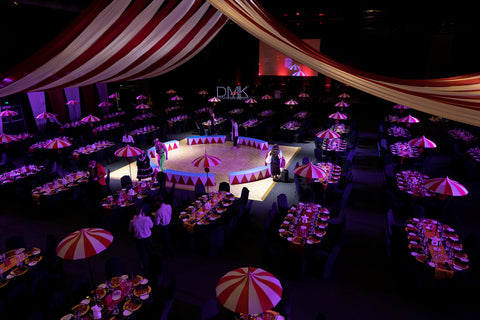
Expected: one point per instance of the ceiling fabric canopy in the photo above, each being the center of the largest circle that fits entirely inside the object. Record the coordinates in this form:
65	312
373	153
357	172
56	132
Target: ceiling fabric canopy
455	98
118	40
123	40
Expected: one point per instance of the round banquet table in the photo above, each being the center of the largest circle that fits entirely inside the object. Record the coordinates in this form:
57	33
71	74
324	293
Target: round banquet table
16	263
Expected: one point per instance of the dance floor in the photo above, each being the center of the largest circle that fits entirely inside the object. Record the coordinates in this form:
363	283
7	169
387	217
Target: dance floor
238	159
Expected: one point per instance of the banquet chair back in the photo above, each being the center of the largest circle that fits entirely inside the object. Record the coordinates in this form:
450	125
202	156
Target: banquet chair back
305	160
244	195
15	242
200	190
210	310
126	182
115	267
224	186
282	203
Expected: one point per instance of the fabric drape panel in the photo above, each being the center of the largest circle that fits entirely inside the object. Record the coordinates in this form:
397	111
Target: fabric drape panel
89	99
454	98
58	104
74	111
38	104
102	91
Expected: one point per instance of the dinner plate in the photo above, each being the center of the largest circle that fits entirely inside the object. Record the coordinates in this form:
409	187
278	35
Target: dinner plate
281	230
437	249
413	253
432	264
144	297
290	238
458	268
126	313
85	301
464	259
10	276
412	234
67	317
286	222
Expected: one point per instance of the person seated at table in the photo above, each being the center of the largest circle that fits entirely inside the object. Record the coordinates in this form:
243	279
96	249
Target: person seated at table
127	138
163	218
144	169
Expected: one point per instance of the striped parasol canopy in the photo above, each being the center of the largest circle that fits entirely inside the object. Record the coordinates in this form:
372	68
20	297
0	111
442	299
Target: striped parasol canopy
91	118
142	97
45	115
328	134
338	116
400	107
84	243
206	161
176	98
342	104
249	290
114	96
8	113
128	151
291	102
142	106
267	97
6	138
304	95
422	142
300	74
203	92
294	67
445	186
171	91
58	143
105	104
409	119
310	170
250	100
214	99
344	96
72	102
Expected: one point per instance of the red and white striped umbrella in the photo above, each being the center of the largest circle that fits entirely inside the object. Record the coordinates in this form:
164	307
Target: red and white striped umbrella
128	151
300	74
304	95
6	138
250	100
176	98
267	97
249	290
338	116
46	115
344	96
114	96
58	143
72	102
206	161
91	118
422	142
84	243
171	91
8	113
203	92
142	97
311	171
342	104
445	186
409	119
142	106
214	99
294	67
105	104
291	102
328	134
400	107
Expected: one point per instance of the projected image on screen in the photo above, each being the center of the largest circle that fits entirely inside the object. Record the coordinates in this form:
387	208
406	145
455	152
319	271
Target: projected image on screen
275	63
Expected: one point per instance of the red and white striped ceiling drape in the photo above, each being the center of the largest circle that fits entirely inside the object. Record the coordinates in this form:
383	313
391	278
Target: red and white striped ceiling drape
455	98
119	40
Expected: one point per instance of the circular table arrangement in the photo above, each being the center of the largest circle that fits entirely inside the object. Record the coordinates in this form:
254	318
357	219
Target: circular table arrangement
207	208
17	262
411	182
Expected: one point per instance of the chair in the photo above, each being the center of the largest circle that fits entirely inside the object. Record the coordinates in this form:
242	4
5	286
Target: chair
305	160
80	286
58	304
244	195
126	182
200	190
210	310
224	186
282	204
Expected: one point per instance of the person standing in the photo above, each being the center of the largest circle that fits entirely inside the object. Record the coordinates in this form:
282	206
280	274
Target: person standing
275	162
127	138
163	218
144	169
234	133
213	129
162	154
96	181
141	226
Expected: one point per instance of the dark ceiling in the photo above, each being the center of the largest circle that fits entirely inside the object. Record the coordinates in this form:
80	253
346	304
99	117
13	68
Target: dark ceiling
396	40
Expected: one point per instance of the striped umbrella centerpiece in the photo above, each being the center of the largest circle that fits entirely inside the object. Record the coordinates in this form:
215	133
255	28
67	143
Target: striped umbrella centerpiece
344	96
214	100
249	290
250	100
338	116
409	119
445	186
58	143
8	113
342	104
45	115
72	102
203	92
311	171
91	118
142	106
128	152
105	104
267	97
328	134
176	98
422	142
206	162
400	107
291	102
142	97
6	138
304	95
